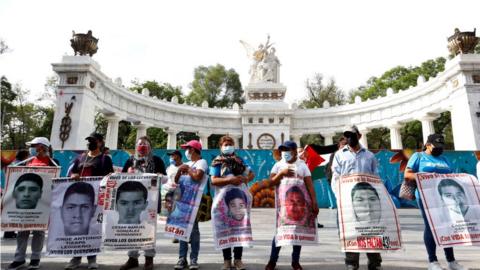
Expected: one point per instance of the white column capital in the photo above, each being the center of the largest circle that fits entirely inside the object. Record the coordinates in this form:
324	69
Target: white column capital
427	117
111	140
395	136
113	118
171	138
204	138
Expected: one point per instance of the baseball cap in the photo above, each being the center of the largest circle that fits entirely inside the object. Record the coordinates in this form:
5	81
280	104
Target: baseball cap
436	139
175	152
96	136
39	140
193	144
351	129
287	146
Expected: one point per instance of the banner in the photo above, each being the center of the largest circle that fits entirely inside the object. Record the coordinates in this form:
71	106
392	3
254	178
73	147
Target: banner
186	200
367	217
75	217
452	207
295	222
130	204
231	217
26	203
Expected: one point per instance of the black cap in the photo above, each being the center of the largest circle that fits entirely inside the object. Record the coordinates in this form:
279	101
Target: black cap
436	139
287	146
95	136
175	152
351	129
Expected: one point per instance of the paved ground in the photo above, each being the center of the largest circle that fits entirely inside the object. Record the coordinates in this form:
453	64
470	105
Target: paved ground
326	255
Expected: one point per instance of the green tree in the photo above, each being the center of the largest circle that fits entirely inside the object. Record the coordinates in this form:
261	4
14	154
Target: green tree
319	93
216	85
161	91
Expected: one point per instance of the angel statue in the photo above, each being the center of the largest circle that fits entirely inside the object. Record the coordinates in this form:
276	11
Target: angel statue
263	67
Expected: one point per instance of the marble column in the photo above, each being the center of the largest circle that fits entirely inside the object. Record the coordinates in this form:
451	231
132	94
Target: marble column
204	139
328	138
395	137
296	139
172	138
111	139
236	140
141	130
363	139
427	126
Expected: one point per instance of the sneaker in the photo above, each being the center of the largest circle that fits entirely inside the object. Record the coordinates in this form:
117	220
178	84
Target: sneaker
73	264
181	264
270	265
238	264
92	265
34	264
296	266
16	265
148	263
351	267
131	263
193	264
435	266
455	266
227	265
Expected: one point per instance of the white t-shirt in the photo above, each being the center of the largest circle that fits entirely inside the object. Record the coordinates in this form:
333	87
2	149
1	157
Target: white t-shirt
300	166
200	164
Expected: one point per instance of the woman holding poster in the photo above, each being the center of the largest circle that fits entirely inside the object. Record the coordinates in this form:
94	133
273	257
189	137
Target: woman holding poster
27	192
92	163
232	204
431	160
299	205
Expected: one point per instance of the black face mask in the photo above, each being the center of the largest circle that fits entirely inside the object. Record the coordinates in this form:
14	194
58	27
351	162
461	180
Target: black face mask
437	151
352	141
92	146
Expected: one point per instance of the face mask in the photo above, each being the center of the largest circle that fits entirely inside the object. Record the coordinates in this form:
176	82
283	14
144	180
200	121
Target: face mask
33	151
172	162
228	150
352	141
92	146
287	155
188	155
437	151
142	149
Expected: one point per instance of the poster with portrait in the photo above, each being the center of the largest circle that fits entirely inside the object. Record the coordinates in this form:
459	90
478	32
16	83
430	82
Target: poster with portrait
75	217
231	217
26	203
452	207
367	217
295	222
129	205
186	200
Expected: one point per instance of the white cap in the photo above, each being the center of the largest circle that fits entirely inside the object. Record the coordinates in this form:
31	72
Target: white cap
39	140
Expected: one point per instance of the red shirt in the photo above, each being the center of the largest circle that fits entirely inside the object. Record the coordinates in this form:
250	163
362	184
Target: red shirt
39	161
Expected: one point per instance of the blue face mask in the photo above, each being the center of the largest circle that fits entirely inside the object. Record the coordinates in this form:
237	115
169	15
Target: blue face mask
172	162
33	151
228	150
287	155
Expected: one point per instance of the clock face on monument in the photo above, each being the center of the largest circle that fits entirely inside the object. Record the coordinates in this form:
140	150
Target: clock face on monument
266	141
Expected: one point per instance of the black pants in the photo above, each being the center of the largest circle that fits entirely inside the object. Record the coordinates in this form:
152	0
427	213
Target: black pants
374	259
237	253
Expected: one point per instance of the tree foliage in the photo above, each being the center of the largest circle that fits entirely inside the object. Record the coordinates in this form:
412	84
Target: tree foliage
216	85
318	93
161	91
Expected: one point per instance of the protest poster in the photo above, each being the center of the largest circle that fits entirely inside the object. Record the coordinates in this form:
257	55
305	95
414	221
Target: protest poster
75	217
231	217
130	204
186	200
295	222
368	219
26	203
452	206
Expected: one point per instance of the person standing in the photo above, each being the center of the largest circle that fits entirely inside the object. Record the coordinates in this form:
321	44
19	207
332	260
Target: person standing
143	161
39	156
196	168
92	163
354	158
280	170
229	169
431	160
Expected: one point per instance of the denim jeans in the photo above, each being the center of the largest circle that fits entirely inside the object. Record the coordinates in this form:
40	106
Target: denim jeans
136	253
429	240
237	253
22	243
276	250
194	242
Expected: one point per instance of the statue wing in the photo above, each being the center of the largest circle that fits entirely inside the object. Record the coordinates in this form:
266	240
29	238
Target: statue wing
248	48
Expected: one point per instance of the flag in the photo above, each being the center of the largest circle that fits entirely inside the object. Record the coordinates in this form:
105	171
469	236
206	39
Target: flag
312	158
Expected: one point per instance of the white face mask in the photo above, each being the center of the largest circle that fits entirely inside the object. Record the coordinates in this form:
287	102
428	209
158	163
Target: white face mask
188	155
287	155
228	150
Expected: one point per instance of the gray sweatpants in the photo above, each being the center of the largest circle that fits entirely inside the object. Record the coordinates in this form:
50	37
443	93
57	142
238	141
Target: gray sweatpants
22	243
135	253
